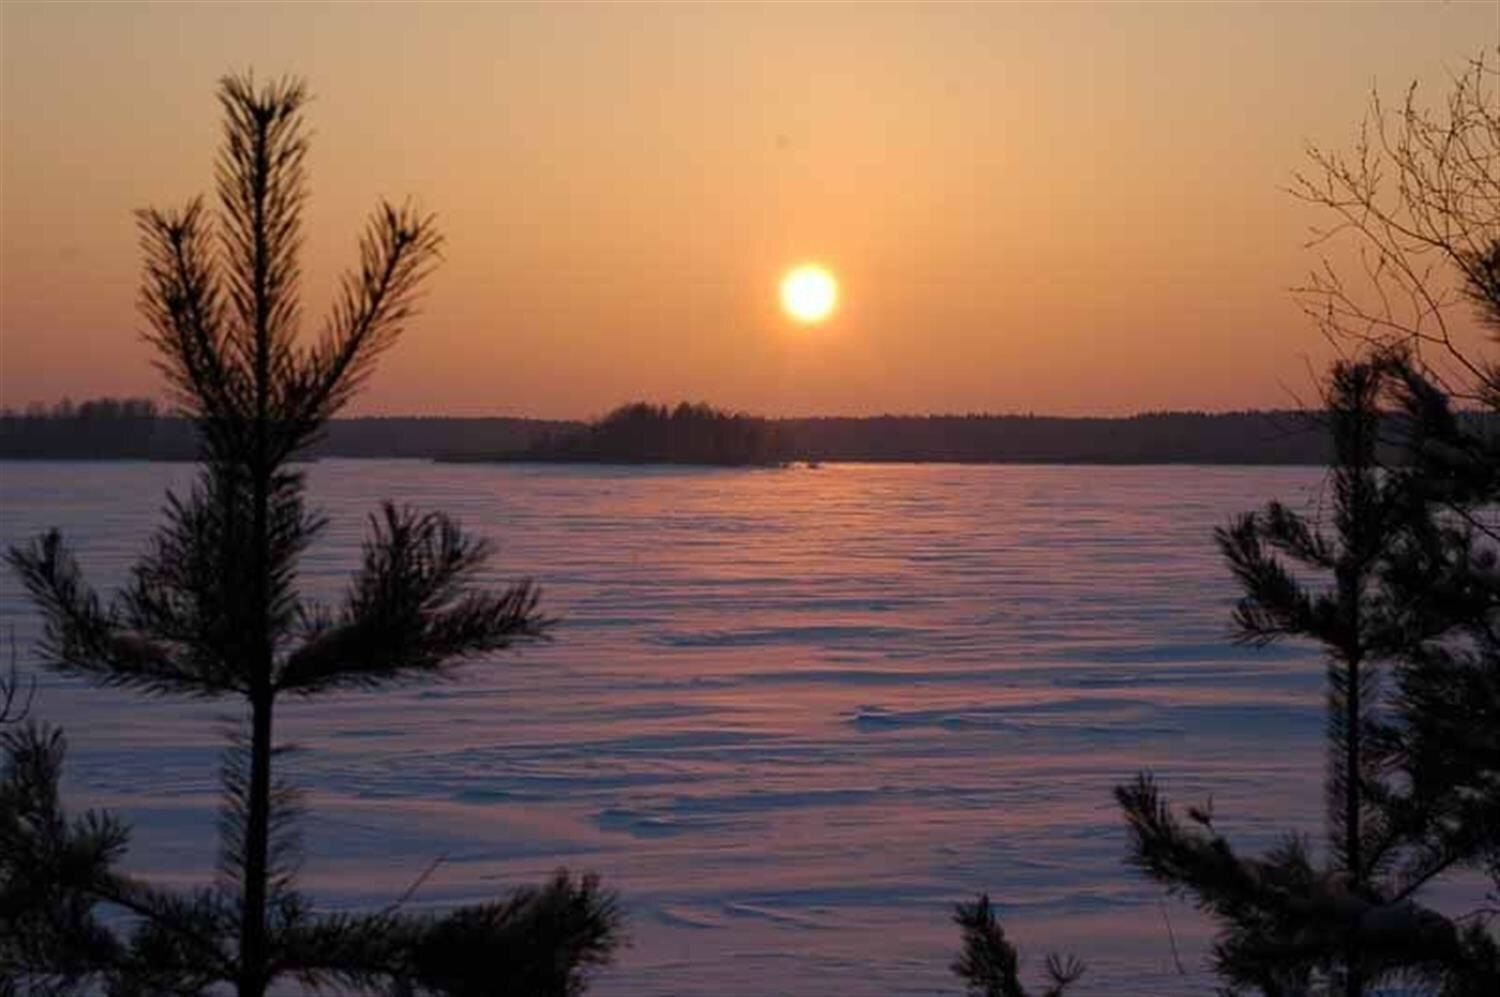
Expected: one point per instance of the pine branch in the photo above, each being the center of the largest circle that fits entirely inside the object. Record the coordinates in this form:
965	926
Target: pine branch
181	943
989	964
80	637
49	866
181	301
411	613
1275	604
56	872
1291	534
398	250
1262	943
542	941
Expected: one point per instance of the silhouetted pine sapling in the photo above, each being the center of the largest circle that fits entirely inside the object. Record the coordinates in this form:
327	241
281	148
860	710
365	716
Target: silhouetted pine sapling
1444	585
212	611
1412	588
1402	808
1416	197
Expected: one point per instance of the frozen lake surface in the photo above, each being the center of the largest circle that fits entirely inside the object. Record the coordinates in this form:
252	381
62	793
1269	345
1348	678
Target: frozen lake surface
792	716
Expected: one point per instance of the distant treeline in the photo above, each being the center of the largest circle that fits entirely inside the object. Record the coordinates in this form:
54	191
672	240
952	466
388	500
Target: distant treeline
136	429
1284	437
699	434
122	428
642	433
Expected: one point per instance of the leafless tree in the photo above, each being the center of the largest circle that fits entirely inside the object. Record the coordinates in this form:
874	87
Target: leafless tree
1412	251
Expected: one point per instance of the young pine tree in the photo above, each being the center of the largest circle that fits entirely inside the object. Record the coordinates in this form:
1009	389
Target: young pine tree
1401	806
1414	788
1444	631
1416	198
1409	612
212	611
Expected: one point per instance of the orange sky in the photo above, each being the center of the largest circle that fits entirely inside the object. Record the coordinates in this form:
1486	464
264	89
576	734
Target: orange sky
1063	209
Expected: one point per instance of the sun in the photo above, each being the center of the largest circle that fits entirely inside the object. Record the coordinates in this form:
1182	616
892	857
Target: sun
809	293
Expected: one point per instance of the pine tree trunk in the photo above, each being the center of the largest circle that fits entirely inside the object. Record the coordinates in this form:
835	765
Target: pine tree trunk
1358	460
253	913
258	820
1354	979
253	962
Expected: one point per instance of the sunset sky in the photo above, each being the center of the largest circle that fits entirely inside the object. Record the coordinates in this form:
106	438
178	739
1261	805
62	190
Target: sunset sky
1063	209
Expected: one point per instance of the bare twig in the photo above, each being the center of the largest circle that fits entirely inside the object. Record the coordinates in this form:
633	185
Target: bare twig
416	885
10	688
1171	938
1417	202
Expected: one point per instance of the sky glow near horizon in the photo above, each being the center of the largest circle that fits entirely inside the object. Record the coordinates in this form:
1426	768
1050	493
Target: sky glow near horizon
1066	209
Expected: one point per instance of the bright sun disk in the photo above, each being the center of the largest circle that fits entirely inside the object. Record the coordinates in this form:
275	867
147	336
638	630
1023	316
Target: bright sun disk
809	293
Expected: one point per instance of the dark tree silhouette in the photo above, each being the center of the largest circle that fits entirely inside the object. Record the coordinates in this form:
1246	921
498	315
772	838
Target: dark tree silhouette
1414	225
1403	595
1401	590
687	434
1397	817
212	611
1417	200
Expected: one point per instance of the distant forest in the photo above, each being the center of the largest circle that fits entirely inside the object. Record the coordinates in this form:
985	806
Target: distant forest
137	429
642	433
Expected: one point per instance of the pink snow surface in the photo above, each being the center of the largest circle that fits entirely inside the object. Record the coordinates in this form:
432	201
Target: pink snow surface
791	715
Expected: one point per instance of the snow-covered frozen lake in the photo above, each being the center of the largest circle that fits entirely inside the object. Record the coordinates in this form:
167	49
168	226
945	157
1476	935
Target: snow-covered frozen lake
792	716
